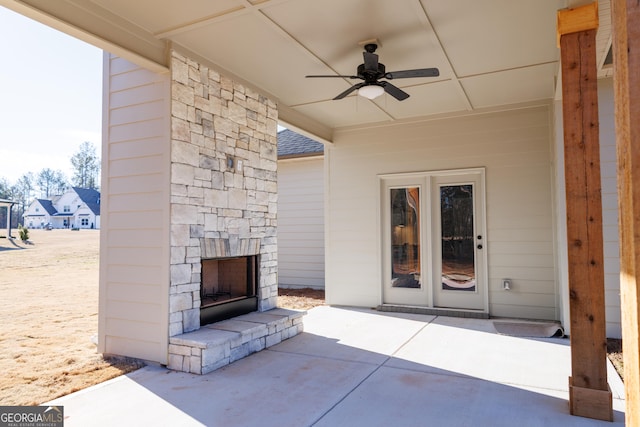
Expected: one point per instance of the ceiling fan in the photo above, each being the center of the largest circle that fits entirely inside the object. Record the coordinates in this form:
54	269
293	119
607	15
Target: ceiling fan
371	71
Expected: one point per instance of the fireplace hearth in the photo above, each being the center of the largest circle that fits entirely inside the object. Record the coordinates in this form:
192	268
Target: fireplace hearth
228	288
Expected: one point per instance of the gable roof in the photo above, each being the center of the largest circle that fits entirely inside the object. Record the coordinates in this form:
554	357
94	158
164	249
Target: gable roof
90	197
48	206
292	144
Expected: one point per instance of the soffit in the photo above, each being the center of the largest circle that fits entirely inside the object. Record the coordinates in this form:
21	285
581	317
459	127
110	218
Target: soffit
491	54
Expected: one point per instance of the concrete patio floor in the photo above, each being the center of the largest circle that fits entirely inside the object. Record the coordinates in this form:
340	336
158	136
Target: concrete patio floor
357	367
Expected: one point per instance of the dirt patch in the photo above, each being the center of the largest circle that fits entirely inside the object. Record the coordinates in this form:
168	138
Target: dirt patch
614	352
49	317
300	299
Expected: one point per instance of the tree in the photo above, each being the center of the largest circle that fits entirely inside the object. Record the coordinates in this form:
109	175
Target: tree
51	182
24	233
60	183
86	166
5	189
22	192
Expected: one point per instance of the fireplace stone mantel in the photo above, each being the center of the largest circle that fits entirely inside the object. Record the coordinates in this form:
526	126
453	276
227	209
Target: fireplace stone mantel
231	247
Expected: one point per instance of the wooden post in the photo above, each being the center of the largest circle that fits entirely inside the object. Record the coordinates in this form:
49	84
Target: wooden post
626	79
589	394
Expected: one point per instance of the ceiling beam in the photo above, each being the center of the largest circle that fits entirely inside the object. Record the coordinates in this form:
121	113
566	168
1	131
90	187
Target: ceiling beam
96	26
201	22
243	9
298	122
426	22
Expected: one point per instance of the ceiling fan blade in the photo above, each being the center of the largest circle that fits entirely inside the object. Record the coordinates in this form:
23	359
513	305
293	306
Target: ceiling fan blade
348	91
370	61
420	72
394	91
340	76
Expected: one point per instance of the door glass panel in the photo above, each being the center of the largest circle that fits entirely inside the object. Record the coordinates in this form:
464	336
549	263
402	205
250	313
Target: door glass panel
458	253
405	238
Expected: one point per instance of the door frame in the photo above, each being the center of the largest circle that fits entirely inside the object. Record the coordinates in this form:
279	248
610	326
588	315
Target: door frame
412	295
455	299
424	180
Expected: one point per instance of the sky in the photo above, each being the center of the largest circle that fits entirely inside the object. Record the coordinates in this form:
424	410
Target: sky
50	97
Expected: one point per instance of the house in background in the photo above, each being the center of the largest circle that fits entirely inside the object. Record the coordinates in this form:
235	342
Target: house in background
300	211
77	208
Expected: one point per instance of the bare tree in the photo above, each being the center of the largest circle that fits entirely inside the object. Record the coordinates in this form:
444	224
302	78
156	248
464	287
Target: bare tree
5	189
60	183
51	182
22	192
5	193
86	166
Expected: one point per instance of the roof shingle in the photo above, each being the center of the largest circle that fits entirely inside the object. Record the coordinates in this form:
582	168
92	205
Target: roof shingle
291	144
90	197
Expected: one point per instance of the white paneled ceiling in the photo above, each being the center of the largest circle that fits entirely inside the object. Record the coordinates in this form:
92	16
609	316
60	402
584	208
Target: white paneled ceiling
490	53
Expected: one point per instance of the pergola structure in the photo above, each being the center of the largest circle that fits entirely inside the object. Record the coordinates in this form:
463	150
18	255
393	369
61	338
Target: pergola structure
8	204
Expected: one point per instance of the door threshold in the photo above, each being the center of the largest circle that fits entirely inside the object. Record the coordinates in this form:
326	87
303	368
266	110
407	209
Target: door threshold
450	312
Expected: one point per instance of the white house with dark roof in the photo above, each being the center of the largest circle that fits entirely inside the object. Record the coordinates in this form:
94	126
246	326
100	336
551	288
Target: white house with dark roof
77	208
300	211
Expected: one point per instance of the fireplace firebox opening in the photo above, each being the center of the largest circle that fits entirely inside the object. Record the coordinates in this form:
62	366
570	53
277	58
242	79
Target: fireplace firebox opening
228	288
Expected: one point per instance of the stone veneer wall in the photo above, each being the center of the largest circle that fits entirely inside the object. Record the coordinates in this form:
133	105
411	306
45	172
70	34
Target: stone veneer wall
212	119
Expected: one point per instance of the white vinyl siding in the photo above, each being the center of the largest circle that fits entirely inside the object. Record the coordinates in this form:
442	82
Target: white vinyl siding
301	223
608	176
513	146
134	255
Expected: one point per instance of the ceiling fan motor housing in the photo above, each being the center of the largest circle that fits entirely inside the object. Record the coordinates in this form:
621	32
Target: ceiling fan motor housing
370	76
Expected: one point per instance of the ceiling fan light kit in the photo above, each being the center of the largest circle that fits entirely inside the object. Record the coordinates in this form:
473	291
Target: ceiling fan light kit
371	91
371	71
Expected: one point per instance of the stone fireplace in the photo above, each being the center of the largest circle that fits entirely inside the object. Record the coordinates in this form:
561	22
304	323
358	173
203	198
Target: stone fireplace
223	185
223	221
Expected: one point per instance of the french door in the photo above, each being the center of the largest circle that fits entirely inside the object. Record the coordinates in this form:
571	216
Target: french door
433	239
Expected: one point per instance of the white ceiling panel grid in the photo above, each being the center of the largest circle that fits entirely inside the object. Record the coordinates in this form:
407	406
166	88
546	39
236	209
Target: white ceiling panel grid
490	53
